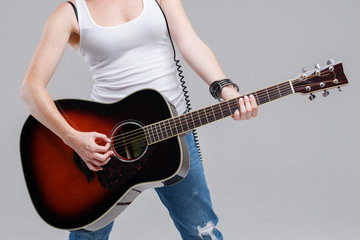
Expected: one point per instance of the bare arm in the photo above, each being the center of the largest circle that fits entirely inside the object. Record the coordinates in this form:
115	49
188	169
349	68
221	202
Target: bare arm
200	57
57	33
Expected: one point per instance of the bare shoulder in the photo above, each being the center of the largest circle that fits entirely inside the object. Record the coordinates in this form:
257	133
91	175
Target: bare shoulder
64	18
172	6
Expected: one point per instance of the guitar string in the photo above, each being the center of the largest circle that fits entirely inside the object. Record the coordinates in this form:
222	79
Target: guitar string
270	93
139	142
216	110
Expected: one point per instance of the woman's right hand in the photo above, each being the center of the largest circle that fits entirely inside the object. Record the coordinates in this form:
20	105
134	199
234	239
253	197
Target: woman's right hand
92	147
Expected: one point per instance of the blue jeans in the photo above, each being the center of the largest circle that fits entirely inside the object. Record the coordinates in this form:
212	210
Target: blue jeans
188	203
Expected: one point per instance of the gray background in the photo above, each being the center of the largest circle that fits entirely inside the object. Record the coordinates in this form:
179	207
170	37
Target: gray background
292	173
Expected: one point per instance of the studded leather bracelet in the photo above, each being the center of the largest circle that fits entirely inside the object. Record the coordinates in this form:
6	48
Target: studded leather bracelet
217	86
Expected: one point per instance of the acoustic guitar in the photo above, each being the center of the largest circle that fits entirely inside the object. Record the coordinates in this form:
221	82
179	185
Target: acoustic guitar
147	138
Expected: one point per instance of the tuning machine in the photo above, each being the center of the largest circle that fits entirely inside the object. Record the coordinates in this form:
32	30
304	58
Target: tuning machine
312	97
317	67
326	93
330	62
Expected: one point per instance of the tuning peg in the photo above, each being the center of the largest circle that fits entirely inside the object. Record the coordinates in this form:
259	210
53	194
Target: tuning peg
312	97
330	62
326	93
317	66
303	70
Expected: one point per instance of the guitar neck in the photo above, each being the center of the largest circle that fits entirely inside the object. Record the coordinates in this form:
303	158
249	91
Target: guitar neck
178	125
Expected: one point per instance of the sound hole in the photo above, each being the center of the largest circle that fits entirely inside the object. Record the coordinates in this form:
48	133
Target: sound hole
128	141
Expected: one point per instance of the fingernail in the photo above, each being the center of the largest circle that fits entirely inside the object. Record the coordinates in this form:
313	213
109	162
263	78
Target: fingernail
241	100
246	97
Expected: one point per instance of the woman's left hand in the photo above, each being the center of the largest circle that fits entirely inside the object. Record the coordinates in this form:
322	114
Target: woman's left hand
248	107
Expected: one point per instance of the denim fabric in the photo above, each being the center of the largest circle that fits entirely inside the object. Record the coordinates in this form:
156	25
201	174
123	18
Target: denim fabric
188	203
101	234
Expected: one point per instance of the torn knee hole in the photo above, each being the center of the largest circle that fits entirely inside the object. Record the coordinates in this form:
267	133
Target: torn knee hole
208	230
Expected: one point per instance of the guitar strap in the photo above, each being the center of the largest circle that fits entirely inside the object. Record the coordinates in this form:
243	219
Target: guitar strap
181	77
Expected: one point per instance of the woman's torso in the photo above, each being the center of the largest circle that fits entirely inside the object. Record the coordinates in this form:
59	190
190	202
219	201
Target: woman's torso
127	47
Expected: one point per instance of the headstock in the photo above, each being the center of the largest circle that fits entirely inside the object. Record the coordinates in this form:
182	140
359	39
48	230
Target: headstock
320	79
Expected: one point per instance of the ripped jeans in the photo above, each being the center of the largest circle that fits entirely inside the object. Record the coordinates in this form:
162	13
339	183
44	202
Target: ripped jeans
188	203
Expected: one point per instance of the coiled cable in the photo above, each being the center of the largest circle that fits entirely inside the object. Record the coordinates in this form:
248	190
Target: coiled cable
183	83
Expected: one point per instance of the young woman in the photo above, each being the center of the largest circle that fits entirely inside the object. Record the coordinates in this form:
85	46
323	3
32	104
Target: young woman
127	47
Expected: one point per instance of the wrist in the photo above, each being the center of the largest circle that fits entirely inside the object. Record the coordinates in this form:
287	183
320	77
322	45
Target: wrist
223	88
229	92
69	136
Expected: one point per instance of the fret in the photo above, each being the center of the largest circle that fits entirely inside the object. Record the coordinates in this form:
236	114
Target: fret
267	93
256	98
151	135
168	128
286	89
173	127
203	116
263	98
196	119
178	125
226	109
273	93
183	123
189	121
148	135
158	132
162	130
192	118
198	113
217	112
234	104
279	90
209	114
221	110
155	134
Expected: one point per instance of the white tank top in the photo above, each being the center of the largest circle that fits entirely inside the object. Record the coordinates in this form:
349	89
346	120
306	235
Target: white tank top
130	56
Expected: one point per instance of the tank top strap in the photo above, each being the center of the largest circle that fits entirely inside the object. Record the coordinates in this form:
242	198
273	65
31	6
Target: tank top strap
83	15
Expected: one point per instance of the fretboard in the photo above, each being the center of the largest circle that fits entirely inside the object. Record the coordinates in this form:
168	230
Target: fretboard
178	125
